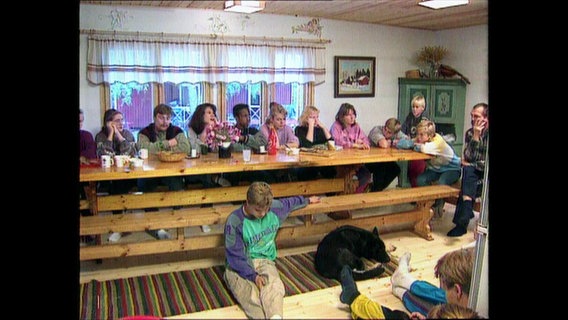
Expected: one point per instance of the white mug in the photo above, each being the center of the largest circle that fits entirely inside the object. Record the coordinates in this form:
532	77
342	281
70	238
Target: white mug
105	161
194	153
143	153
262	149
121	160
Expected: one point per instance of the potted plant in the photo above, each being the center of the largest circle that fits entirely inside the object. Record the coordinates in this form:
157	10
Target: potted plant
220	135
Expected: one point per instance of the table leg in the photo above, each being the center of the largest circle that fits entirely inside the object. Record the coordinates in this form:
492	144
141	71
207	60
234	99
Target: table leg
91	192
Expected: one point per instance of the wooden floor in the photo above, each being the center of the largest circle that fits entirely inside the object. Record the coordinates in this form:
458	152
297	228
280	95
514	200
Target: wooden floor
317	304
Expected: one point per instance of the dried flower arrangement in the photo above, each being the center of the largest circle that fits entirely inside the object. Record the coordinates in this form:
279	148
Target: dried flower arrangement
431	56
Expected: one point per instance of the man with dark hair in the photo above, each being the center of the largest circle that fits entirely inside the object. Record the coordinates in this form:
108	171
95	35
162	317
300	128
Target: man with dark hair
162	135
473	168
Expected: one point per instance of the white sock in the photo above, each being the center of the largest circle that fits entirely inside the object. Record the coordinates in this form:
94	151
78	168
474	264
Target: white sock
115	237
398	291
163	234
401	277
470	245
404	262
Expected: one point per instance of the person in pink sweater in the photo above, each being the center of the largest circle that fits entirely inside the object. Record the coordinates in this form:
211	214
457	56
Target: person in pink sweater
348	134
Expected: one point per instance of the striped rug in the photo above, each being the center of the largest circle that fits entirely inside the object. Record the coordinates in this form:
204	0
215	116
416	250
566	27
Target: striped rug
175	293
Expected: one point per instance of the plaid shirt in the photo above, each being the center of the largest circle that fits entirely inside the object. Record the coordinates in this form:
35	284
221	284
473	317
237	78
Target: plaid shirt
476	151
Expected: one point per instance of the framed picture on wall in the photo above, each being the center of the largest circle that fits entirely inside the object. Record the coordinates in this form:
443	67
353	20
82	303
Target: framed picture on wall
354	77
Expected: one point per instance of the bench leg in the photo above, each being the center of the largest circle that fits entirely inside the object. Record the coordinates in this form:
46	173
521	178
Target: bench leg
180	233
350	185
422	227
308	219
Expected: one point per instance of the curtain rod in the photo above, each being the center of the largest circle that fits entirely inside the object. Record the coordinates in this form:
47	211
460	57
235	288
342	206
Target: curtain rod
190	35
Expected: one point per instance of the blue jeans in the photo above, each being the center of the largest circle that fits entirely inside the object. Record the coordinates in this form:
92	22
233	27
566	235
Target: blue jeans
447	178
422	297
471	187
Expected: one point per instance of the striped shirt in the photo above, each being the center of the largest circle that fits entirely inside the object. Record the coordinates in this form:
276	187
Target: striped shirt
475	151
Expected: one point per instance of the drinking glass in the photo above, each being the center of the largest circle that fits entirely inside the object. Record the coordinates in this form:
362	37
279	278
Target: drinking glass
246	154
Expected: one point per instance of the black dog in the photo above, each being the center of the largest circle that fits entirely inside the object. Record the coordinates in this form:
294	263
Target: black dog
347	245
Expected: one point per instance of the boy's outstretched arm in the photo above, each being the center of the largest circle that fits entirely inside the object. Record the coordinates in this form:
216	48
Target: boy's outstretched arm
314	199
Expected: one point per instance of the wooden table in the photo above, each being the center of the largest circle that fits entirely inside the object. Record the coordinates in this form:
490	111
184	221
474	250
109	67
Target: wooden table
346	161
210	163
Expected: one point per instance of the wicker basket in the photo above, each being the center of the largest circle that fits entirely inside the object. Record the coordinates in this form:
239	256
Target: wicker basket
168	156
414	74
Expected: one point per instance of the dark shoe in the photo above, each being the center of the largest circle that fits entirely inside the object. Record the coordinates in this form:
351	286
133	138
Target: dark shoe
457	231
349	290
438	211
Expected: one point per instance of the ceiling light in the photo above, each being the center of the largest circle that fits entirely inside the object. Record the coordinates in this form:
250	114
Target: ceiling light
440	4
244	6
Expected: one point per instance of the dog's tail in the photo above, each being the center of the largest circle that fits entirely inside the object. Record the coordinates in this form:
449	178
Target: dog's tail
368	274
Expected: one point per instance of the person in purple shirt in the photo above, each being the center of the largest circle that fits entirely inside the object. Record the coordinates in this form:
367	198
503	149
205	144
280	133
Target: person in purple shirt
87	146
87	156
277	119
286	138
250	250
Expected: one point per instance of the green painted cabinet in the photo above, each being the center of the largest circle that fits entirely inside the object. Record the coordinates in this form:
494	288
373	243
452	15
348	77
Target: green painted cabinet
445	105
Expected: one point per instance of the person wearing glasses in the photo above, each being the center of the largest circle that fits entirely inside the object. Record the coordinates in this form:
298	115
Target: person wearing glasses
114	138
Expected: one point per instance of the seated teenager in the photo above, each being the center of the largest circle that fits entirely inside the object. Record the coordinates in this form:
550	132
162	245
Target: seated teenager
285	138
347	133
312	132
386	136
251	138
444	168
162	135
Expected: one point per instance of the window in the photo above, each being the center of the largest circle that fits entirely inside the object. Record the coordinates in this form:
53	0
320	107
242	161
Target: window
136	102
139	71
183	98
249	93
290	95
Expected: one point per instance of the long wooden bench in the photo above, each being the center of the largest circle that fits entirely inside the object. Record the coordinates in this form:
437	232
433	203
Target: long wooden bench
419	217
213	195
